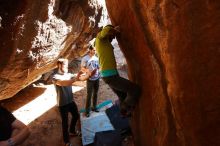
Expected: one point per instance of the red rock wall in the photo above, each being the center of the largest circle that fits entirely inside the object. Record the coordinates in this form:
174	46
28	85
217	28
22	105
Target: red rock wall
173	52
34	33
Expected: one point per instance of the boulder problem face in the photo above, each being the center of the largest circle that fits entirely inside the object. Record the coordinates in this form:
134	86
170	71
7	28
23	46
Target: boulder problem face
173	51
33	34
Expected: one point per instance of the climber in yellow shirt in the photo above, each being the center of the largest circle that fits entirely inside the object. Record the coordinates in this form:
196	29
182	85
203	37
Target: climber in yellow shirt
127	91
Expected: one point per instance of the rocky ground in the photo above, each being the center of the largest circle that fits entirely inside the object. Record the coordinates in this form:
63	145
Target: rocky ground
35	106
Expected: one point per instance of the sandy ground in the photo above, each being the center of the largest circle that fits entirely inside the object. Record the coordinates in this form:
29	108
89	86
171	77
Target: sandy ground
35	106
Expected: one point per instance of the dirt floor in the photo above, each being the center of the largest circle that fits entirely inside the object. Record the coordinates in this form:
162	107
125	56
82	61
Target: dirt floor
35	106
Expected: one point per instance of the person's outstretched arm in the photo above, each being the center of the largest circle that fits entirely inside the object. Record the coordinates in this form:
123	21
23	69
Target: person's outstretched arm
64	82
67	82
109	30
87	75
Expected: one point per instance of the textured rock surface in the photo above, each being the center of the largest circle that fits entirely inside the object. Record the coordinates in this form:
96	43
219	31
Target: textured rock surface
173	52
35	33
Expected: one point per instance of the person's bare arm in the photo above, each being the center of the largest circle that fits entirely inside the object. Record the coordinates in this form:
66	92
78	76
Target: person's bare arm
84	69
109	31
117	29
18	137
114	31
65	82
69	82
87	75
4	143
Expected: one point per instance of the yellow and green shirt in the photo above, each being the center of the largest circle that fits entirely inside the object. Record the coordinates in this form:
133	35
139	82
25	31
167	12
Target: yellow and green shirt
105	53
